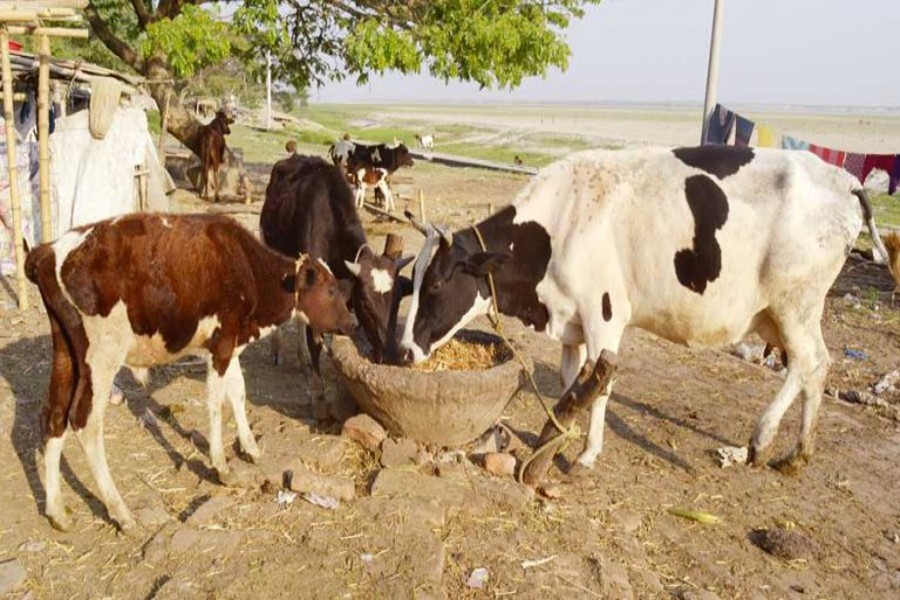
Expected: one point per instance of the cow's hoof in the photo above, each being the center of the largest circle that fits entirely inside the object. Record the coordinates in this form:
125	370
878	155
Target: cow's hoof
228	478
579	471
757	457
791	464
277	359
60	520
128	526
252	453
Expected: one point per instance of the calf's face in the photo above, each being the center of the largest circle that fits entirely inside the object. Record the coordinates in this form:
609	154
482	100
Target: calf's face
321	301
378	289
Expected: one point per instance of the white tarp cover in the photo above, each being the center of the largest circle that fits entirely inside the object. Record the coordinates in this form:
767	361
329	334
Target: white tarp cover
94	179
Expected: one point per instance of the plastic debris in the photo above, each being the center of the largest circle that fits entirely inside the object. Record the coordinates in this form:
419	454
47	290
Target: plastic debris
323	501
886	383
732	455
530	564
367	557
855	354
695	515
478	578
285	497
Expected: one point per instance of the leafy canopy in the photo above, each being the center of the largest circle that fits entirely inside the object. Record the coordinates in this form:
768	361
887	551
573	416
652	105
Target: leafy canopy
494	43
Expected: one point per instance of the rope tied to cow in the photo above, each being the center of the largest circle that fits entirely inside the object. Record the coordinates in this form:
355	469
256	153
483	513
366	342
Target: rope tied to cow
564	434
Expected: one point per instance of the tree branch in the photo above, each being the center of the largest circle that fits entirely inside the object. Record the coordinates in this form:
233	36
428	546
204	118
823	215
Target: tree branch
143	14
109	39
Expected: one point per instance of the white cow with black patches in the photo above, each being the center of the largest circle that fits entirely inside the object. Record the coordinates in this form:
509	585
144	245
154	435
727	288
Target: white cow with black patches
700	246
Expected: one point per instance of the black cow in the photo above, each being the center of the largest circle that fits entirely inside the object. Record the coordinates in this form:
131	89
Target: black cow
309	208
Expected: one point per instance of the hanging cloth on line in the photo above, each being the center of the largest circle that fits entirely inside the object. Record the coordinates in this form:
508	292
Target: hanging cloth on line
853	164
720	126
765	136
743	131
832	157
885	162
792	143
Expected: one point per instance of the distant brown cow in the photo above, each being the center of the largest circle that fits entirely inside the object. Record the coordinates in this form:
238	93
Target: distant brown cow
212	152
144	289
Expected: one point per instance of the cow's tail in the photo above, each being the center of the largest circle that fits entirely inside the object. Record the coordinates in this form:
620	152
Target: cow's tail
880	255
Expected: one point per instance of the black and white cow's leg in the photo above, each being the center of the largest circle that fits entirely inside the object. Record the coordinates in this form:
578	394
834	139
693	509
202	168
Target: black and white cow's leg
813	372
236	391
806	371
606	336
573	356
104	363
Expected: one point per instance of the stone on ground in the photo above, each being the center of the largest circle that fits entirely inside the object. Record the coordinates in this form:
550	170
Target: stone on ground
365	431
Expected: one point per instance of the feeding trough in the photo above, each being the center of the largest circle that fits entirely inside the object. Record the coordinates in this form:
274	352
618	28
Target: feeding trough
446	408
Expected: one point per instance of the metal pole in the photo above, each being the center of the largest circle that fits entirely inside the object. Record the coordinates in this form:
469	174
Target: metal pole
712	74
268	90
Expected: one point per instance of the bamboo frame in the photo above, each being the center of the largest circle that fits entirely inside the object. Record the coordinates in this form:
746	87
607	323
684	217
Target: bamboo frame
50	31
14	201
44	137
164	124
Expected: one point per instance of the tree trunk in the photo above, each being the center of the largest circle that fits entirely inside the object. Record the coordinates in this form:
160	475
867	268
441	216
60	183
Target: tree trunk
184	126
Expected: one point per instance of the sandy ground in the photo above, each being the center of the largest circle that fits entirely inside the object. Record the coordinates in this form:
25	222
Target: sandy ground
629	126
411	534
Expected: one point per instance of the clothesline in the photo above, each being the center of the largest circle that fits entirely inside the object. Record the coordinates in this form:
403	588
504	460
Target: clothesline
726	125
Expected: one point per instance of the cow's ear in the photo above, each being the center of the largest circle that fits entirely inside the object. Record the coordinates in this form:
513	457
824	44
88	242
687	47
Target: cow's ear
405	286
482	263
289	283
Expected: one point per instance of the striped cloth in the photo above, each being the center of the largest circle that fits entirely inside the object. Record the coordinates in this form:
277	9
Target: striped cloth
792	143
765	136
832	157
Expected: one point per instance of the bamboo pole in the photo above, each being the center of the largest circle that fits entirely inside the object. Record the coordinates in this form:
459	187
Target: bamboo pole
422	206
50	31
161	145
44	136
10	125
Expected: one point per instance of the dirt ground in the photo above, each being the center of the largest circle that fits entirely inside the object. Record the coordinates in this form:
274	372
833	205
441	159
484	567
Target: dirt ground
410	533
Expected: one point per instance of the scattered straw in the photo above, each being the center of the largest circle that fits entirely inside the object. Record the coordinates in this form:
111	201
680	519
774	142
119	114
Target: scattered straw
459	355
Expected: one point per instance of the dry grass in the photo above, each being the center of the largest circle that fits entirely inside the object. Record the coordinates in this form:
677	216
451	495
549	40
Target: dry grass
458	355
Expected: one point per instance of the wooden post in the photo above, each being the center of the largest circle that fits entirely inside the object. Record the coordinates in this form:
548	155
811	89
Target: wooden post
141	173
422	206
47	234
592	381
393	246
164	119
14	202
490	208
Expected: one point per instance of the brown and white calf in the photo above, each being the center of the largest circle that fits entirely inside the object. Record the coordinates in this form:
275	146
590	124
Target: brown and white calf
361	177
142	290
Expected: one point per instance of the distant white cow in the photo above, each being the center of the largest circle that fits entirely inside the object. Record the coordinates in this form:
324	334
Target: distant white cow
426	142
698	245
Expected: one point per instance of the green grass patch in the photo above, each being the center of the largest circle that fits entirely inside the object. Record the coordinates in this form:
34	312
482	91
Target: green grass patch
502	154
154	121
887	210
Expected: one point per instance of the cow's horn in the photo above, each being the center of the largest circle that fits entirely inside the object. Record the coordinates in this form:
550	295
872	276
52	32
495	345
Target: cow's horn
445	234
416	223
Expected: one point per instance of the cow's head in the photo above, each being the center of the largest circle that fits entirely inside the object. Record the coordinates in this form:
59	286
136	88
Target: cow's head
450	289
321	299
224	118
402	156
378	289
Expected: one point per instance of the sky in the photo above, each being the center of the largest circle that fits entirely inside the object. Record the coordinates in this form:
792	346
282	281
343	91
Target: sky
773	52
